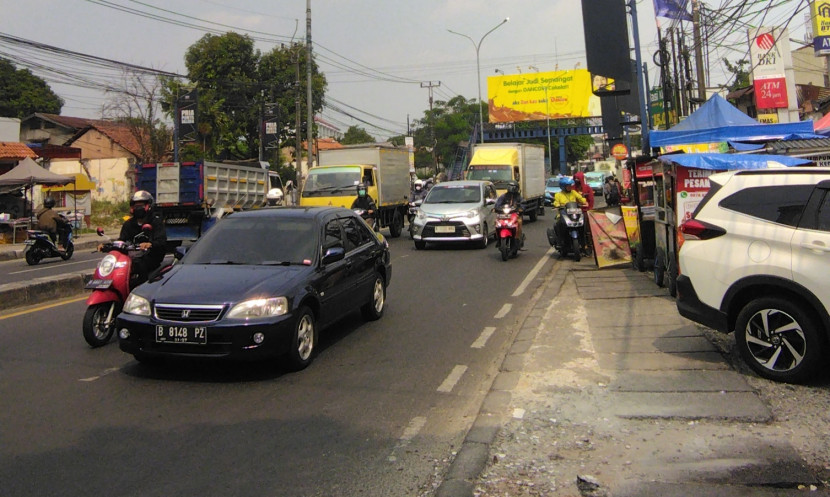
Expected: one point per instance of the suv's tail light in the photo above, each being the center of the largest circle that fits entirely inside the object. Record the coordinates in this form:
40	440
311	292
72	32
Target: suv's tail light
700	230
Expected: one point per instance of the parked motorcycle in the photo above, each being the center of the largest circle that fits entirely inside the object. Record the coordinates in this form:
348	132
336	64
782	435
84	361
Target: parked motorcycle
568	233
39	245
111	284
507	226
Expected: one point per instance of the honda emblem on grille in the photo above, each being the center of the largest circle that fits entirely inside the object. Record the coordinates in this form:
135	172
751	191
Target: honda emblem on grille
185	313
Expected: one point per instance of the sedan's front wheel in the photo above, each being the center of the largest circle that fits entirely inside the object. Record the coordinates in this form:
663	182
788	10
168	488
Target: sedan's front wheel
303	340
373	310
779	340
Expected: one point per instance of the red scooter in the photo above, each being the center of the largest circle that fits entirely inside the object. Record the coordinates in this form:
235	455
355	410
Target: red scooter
111	284
507	227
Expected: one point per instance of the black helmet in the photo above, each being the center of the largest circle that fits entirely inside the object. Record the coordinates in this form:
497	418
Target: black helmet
361	190
48	202
512	187
142	196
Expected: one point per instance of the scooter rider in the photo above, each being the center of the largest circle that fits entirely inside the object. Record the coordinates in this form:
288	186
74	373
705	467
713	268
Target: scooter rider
567	194
141	208
364	201
52	222
418	191
514	199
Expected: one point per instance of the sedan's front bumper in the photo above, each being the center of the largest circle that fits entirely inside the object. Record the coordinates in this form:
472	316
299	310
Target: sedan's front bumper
232	339
448	231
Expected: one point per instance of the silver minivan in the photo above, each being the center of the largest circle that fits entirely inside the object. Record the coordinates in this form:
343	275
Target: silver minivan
456	211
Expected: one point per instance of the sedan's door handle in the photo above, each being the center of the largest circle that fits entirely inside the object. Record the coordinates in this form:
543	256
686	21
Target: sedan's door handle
820	246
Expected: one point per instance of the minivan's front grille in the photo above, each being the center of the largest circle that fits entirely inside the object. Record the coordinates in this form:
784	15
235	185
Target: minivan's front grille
187	313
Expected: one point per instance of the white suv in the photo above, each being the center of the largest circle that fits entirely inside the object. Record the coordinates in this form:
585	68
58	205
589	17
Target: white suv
755	258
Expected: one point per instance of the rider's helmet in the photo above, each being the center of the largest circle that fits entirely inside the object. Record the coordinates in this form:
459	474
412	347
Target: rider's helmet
141	196
48	202
512	187
566	182
419	185
361	190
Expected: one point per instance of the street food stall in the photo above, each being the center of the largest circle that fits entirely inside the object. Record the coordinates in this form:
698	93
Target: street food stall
680	182
640	216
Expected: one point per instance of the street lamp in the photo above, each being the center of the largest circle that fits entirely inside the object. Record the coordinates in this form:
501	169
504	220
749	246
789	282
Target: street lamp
478	70
547	116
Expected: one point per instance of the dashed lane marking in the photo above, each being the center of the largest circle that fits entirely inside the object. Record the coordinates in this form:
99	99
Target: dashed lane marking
503	311
455	375
411	431
482	339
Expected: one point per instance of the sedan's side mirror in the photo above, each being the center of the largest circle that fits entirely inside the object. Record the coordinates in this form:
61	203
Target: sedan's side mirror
334	254
179	253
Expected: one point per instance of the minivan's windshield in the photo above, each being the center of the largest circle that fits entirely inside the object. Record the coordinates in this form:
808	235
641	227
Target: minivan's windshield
332	181
256	241
468	194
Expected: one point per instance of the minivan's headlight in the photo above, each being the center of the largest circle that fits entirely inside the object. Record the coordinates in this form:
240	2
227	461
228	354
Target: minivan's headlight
421	214
259	308
471	214
137	305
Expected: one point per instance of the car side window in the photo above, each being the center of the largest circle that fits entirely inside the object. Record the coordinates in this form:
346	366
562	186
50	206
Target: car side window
333	236
355	236
778	204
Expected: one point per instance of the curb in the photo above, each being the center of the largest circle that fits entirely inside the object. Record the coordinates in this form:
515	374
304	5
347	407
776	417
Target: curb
472	457
39	290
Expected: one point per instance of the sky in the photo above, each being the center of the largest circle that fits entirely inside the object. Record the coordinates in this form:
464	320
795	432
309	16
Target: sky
376	54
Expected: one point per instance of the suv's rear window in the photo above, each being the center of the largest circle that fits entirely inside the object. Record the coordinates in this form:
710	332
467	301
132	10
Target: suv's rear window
779	204
711	193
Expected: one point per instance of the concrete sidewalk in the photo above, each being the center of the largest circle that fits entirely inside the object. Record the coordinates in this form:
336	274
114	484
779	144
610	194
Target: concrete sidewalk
607	383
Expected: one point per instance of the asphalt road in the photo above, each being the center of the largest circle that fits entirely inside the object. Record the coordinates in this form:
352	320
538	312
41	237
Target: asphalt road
378	413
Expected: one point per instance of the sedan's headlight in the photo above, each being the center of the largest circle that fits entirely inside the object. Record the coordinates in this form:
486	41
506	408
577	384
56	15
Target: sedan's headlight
106	265
258	308
137	305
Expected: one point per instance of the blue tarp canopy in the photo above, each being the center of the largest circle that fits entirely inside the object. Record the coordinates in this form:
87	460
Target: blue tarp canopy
719	121
725	162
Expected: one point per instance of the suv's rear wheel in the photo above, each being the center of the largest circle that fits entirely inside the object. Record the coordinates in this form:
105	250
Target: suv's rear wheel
779	340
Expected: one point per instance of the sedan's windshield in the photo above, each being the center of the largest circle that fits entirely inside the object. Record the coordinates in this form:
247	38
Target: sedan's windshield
454	195
256	241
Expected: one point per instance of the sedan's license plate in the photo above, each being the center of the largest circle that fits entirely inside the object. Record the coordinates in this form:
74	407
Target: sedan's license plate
445	229
181	334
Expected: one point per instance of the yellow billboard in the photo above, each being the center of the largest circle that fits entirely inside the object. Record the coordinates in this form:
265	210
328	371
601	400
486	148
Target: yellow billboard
537	96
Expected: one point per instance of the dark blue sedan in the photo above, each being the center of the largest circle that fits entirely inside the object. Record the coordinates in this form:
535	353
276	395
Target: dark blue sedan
260	283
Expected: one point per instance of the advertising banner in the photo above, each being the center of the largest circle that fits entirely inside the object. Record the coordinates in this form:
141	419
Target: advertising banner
632	226
820	14
610	238
768	76
692	186
539	96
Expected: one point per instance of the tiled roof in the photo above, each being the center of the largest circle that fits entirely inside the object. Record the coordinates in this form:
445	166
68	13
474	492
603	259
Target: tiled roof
15	150
68	122
118	133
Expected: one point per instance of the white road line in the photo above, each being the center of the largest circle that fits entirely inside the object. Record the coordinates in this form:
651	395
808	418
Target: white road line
455	375
104	373
532	274
482	339
43	268
411	431
503	311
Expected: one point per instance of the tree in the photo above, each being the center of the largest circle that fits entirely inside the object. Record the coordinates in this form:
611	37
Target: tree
138	106
23	93
740	74
356	134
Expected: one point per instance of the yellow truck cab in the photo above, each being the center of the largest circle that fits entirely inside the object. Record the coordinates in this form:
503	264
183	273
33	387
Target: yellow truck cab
383	169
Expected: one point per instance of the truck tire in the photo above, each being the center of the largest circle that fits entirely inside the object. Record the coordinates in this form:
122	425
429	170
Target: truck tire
534	213
396	228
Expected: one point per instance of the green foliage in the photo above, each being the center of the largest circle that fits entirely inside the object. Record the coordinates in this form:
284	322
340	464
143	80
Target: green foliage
452	122
235	81
740	74
23	93
109	214
355	135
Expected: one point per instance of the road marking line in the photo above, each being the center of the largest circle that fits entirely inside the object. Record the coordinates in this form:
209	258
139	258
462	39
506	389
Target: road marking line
455	375
63	264
503	311
482	339
411	431
42	307
104	373
532	274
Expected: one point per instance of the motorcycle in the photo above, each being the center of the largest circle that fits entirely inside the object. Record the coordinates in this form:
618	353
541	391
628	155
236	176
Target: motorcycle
568	233
39	245
364	214
414	205
112	282
507	225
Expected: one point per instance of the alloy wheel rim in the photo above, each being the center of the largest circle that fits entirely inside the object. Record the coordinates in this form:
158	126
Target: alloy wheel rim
378	295
305	334
775	340
102	324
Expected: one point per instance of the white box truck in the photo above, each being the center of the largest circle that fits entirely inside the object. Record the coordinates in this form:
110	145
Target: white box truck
521	162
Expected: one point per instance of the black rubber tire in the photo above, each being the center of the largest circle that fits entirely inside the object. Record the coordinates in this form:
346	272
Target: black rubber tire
373	309
577	250
671	274
810	344
396	228
96	331
482	244
659	270
420	244
533	215
505	249
32	257
303	340
68	253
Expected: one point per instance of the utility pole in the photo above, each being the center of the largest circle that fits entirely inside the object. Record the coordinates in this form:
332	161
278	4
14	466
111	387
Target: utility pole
430	85
298	135
701	80
309	107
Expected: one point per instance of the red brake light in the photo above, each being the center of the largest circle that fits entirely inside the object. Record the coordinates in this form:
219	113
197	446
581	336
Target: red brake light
700	230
